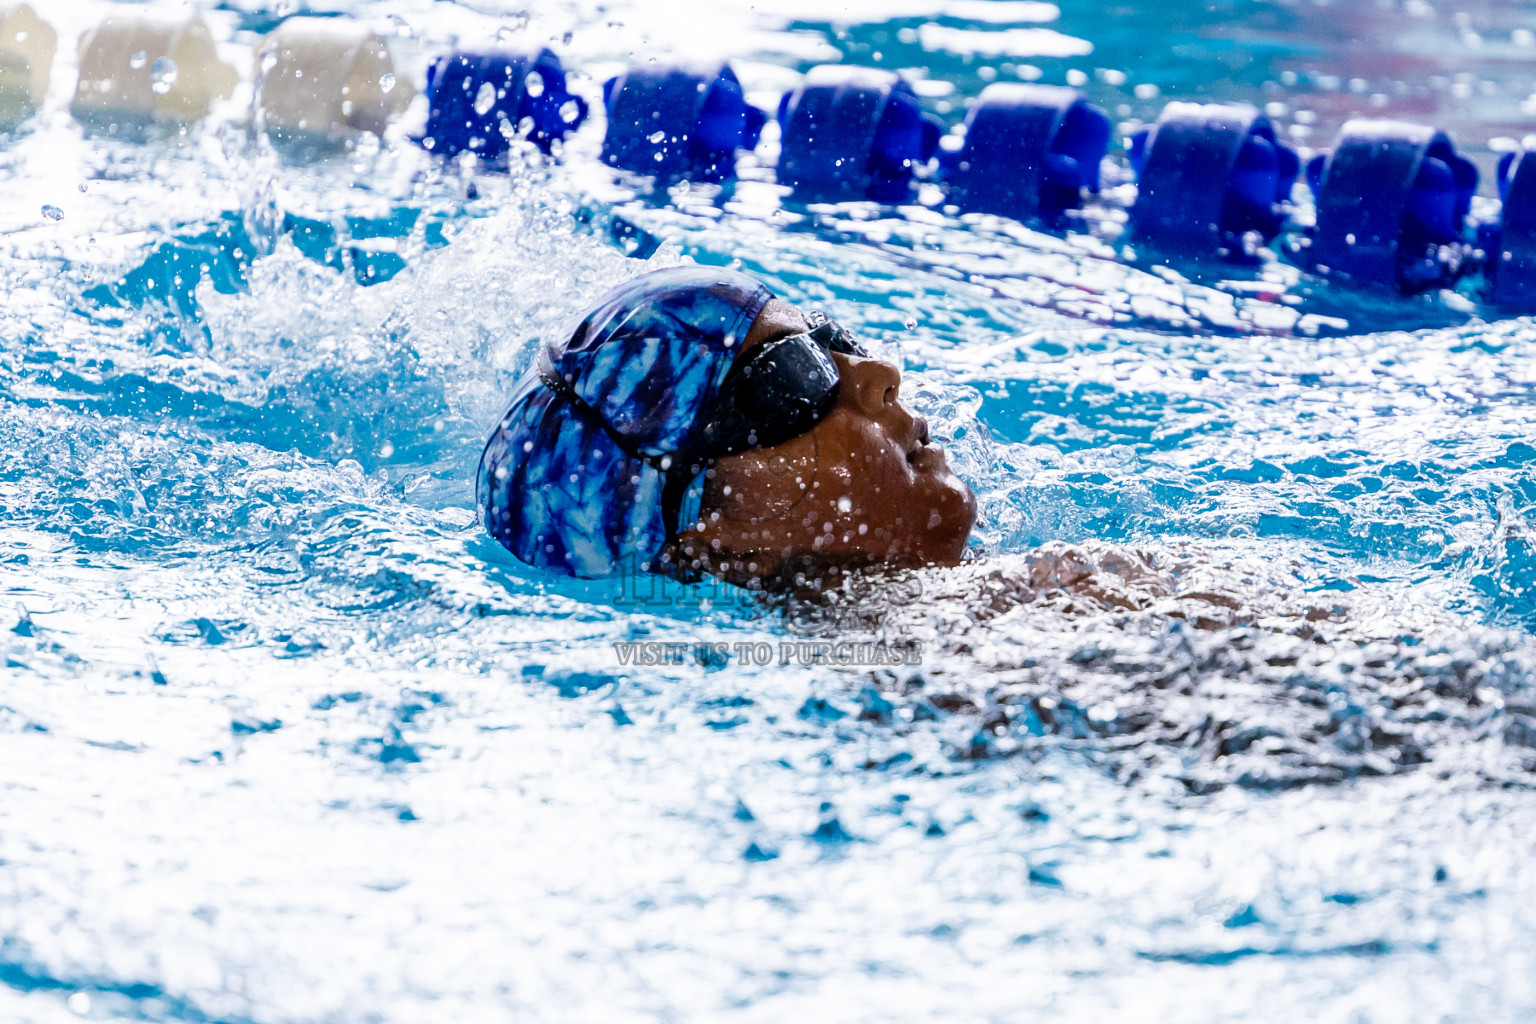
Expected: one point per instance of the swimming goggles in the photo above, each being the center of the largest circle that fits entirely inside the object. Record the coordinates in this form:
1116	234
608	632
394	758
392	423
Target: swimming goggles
780	390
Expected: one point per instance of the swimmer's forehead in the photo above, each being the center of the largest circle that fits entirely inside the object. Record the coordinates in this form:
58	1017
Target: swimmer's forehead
777	320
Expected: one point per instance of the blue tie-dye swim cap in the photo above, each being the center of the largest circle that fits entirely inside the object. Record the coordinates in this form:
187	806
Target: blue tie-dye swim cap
554	487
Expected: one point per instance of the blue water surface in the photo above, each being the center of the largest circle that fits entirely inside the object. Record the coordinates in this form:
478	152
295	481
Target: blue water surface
285	738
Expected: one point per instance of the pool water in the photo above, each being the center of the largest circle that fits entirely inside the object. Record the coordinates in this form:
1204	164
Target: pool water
285	737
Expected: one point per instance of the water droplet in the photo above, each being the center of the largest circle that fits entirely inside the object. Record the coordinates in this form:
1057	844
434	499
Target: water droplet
79	1002
844	505
268	62
138	59
347	106
656	136
53	213
386	83
386	449
485	99
163	75
84	187
910	323
569	111
534	84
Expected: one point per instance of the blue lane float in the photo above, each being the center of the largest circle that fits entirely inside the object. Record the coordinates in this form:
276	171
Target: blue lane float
1392	202
1392	199
480	102
1212	179
854	134
1511	243
1029	151
679	123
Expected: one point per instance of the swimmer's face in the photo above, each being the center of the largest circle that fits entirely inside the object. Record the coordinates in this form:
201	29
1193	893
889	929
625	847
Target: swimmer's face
865	485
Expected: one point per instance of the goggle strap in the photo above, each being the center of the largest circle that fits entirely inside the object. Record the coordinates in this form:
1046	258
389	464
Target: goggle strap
677	469
831	335
563	390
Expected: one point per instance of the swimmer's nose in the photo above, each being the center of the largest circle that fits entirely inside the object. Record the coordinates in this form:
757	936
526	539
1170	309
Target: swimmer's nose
876	385
873	386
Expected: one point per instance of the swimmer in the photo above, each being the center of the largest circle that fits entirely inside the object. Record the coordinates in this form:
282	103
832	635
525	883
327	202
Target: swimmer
691	423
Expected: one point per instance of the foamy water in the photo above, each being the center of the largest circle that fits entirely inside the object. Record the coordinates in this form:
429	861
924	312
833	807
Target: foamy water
284	737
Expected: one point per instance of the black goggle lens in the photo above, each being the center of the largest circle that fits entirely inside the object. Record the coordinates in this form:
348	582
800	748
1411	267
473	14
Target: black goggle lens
784	388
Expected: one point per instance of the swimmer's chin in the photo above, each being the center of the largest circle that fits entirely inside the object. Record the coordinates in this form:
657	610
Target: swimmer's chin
951	552
953	517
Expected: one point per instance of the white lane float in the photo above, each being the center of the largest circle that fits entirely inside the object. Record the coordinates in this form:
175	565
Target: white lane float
27	45
321	82
144	67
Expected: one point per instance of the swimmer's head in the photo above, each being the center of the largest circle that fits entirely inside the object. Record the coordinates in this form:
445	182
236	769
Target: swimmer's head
690	422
